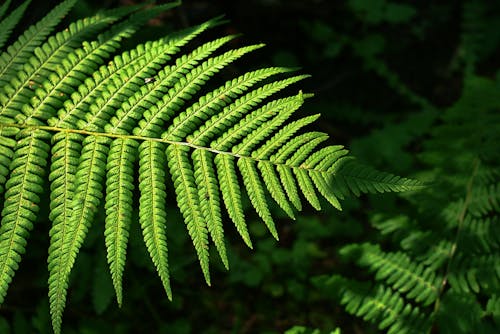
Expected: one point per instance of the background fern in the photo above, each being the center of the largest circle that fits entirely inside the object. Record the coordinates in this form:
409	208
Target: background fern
436	270
77	102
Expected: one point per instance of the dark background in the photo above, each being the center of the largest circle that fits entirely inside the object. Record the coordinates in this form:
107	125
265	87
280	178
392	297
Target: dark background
378	68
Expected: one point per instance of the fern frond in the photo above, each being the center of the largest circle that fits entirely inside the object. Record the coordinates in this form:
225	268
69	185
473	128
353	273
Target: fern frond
481	234
88	192
209	197
46	58
4	7
13	59
152	215
480	273
119	191
7	144
379	305
183	90
153	95
279	109
485	200
214	102
188	201
22	197
398	270
286	175
65	158
108	83
10	21
256	193
349	176
231	194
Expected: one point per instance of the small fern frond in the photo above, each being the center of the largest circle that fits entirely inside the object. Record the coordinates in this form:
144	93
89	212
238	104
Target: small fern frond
253	184
119	206
4	7
398	270
209	198
16	55
251	122
449	263
88	191
349	176
379	305
7	144
22	198
479	274
10	22
189	203
47	57
215	101
485	200
231	194
152	214
146	98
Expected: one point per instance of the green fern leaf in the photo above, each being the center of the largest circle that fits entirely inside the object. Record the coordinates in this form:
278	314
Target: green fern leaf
23	191
350	176
88	191
4	7
231	194
13	59
396	269
256	193
9	22
7	143
47	57
254	120
189	203
65	158
209	198
378	305
307	187
119	191
286	175
290	186
152	215
274	187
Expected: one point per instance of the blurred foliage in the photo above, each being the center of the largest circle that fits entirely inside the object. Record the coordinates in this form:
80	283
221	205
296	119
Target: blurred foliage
383	72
